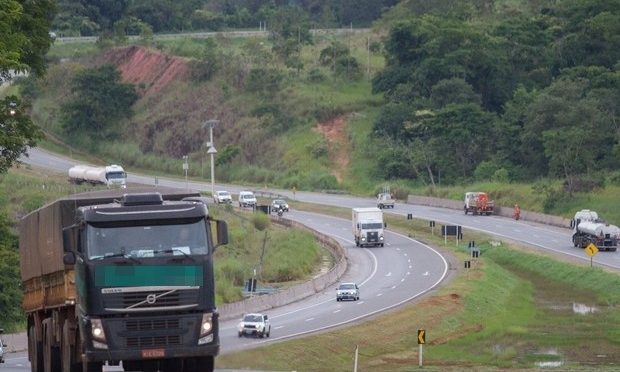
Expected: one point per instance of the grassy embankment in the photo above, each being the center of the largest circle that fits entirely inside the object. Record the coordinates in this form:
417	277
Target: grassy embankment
515	309
288	256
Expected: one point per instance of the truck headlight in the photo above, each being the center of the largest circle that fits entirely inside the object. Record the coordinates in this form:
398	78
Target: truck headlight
381	237
206	326
98	334
363	238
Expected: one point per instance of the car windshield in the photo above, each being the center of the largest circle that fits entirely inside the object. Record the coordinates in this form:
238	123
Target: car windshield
146	241
253	318
247	196
116	175
223	193
279	202
347	286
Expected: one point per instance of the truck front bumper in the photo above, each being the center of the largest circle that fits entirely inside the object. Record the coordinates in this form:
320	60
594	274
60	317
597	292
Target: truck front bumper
151	353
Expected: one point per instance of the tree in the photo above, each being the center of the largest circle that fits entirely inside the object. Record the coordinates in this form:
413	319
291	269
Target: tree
568	153
17	132
100	101
25	36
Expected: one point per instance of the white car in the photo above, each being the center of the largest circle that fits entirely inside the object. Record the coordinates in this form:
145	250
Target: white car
222	197
247	199
347	291
254	324
2	346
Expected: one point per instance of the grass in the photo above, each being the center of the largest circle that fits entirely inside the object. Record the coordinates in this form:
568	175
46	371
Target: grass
282	257
511	311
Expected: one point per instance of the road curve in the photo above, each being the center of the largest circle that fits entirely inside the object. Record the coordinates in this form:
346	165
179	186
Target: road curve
544	237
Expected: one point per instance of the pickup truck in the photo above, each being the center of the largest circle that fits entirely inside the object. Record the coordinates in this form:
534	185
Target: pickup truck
384	200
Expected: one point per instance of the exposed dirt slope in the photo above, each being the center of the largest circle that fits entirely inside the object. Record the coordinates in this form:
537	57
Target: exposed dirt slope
150	70
335	133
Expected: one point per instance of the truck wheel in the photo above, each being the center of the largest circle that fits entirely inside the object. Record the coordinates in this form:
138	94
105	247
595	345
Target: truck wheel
199	364
51	353
67	351
381	244
35	349
465	209
92	367
240	334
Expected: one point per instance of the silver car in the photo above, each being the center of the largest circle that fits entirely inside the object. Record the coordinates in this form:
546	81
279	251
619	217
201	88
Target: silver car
347	291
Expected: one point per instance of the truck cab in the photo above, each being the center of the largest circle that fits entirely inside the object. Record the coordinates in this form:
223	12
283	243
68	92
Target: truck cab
384	200
368	227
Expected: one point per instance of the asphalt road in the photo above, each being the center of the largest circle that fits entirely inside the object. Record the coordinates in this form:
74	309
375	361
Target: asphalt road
544	237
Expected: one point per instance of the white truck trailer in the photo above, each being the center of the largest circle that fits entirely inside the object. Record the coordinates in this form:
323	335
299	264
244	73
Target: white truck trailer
368	226
111	175
588	228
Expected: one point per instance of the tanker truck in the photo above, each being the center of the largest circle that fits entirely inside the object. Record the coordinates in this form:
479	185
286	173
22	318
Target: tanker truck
588	228
111	175
121	278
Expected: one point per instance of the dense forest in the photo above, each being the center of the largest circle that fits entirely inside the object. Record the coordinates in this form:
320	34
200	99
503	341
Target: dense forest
513	96
93	17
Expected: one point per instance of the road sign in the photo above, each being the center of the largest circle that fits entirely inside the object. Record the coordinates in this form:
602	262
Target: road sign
591	250
421	336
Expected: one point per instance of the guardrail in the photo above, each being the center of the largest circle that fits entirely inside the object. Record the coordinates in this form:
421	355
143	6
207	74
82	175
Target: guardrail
499	210
297	292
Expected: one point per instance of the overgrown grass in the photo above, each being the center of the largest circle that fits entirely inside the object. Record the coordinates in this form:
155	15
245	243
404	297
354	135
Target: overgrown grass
511	311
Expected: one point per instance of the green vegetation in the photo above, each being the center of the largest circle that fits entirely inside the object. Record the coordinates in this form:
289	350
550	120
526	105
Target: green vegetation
281	257
512	310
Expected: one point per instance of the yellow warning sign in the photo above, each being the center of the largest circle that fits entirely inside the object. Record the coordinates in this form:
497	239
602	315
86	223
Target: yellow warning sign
421	336
591	250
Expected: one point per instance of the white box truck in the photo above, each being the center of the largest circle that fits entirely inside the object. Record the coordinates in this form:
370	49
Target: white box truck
368	226
111	175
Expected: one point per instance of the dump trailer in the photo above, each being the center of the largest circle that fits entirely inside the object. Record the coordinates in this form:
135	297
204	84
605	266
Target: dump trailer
368	226
121	276
588	229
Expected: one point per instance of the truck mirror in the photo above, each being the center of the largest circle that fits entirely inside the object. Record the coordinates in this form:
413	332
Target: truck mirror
358	225
69	258
222	233
266	318
385	225
68	239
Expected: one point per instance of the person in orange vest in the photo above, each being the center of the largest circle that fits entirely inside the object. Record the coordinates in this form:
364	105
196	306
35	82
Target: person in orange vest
517	214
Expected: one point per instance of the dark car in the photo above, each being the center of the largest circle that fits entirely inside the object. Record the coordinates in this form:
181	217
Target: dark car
279	203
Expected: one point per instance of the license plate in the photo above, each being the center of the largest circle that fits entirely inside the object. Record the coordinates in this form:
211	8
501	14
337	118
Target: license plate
153	353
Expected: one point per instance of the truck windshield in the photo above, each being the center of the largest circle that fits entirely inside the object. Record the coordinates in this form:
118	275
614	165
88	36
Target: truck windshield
116	175
372	225
146	241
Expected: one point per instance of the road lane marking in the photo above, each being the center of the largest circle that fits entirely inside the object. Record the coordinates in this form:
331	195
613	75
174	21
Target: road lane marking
360	302
278	327
379	294
337	311
309	319
389	274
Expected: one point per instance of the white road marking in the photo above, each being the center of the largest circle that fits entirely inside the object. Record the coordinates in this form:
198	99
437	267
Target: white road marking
309	319
393	287
389	274
410	266
278	327
360	302
425	274
402	280
337	311
408	273
379	294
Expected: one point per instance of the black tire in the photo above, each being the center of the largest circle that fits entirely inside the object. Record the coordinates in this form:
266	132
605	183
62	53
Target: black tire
199	364
35	350
240	334
51	353
67	351
92	367
381	244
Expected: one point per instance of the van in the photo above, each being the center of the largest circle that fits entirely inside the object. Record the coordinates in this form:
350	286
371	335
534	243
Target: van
247	199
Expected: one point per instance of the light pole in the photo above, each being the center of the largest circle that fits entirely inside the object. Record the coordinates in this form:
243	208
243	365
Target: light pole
185	169
212	151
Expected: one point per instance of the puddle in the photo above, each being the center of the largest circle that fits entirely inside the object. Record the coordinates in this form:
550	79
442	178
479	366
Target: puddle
583	309
549	364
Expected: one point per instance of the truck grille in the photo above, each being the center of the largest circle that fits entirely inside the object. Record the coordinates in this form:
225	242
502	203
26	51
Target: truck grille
138	300
153	341
373	236
151	325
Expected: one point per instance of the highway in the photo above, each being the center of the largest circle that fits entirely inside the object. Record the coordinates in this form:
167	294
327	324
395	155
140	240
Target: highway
388	277
552	239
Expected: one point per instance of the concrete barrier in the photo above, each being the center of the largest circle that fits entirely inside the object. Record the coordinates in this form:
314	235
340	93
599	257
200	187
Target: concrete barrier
295	293
499	210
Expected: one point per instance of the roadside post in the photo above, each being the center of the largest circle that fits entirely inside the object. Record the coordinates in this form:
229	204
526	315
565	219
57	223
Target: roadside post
432	225
591	250
452	230
185	169
421	341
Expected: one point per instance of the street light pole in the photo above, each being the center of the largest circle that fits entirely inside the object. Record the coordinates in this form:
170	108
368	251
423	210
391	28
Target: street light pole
212	151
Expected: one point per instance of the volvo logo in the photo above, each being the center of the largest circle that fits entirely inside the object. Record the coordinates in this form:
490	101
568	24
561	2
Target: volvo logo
151	299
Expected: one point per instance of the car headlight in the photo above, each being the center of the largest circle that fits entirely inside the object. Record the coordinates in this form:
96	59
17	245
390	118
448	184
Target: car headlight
381	237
